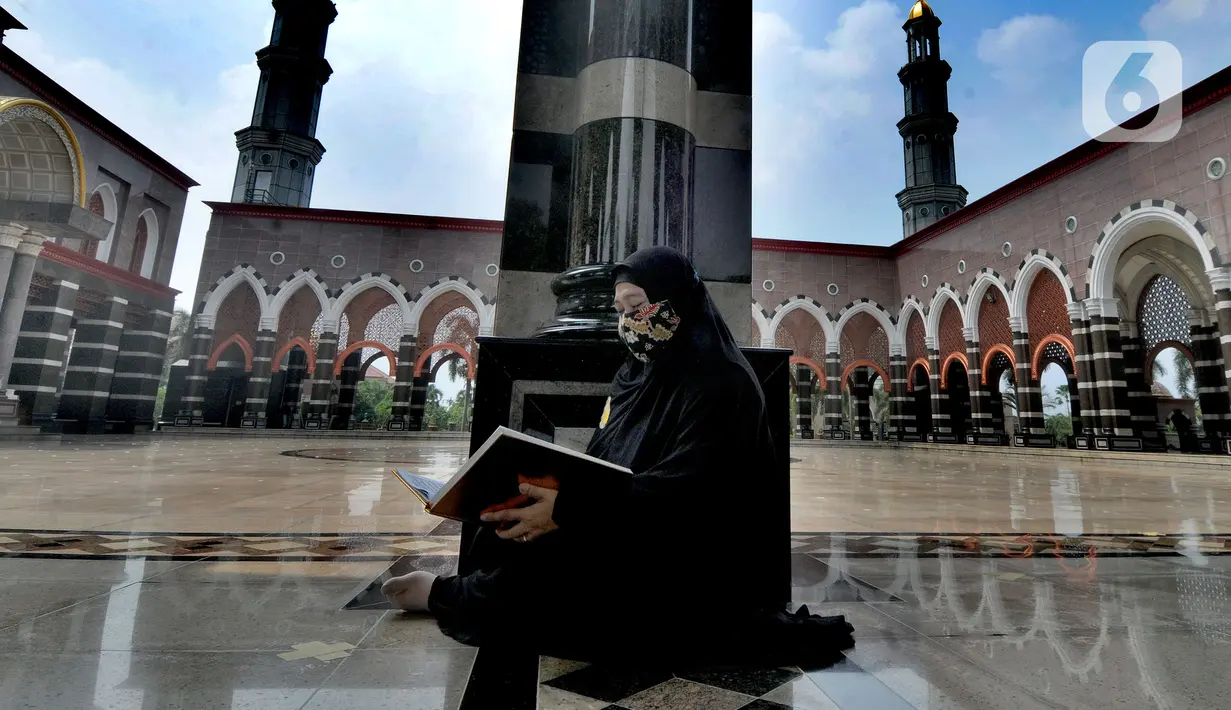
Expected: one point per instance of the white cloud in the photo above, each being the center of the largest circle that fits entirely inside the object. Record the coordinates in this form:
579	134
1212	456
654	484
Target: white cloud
1024	50
805	95
1166	14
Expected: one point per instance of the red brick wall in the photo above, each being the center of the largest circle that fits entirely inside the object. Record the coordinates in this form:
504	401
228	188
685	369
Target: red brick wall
1046	309
950	339
994	324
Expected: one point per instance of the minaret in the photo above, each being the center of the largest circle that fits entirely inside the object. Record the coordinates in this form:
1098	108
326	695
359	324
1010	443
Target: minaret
279	151
927	129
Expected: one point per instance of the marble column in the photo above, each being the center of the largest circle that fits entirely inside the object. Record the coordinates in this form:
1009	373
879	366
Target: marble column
322	378
1115	414
833	392
138	369
1087	391
10	239
631	127
256	403
980	402
861	411
192	406
1220	282
1142	412
803	402
1207	373
37	365
91	365
899	401
348	383
16	293
942	430
408	352
292	391
1029	391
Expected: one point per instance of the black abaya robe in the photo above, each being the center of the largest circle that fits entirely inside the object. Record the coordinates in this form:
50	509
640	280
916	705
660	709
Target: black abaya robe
653	560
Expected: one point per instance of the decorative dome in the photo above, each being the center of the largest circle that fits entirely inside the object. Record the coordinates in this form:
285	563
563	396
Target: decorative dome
921	9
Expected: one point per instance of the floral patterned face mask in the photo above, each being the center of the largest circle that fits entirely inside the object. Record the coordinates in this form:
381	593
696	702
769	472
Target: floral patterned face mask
646	331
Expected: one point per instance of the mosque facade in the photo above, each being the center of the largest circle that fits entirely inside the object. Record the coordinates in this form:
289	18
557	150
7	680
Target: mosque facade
1096	262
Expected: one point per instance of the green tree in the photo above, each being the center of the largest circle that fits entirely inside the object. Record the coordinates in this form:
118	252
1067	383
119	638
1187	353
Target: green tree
1008	390
1184	375
373	396
1059	425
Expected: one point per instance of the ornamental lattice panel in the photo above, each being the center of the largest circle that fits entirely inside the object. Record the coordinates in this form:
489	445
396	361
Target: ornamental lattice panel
1162	314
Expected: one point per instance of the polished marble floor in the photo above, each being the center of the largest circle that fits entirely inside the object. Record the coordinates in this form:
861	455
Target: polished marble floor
221	574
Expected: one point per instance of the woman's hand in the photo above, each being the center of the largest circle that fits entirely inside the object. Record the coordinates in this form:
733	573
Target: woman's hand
529	523
520	501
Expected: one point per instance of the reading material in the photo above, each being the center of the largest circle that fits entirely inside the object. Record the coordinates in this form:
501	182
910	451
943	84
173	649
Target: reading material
489	476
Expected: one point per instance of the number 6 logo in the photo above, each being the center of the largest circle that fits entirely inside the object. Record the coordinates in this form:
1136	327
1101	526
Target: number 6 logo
1131	91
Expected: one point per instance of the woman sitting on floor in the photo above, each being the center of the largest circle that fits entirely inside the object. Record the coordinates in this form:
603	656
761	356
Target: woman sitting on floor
667	559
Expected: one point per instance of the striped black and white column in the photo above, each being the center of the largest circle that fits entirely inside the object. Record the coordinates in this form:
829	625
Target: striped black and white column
1220	281
1207	371
322	378
37	363
803	402
899	401
348	383
980	404
833	392
399	415
91	367
942	430
256	404
1086	391
138	369
192	406
861	411
1142	411
1115	415
1032	430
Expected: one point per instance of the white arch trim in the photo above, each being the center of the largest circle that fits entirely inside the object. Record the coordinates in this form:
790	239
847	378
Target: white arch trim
303	279
220	292
874	310
909	304
1031	267
943	292
974	297
152	240
762	324
373	281
110	211
815	310
486	312
1134	226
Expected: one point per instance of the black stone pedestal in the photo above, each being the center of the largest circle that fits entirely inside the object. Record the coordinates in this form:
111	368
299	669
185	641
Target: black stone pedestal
556	389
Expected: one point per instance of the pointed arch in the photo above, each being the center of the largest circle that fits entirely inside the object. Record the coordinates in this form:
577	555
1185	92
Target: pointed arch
362	283
106	193
1142	220
909	304
1036	262
815	309
1154	352
235	339
217	294
910	371
874	309
985	280
944	368
426	354
1037	357
340	359
991	353
944	292
761	322
481	304
865	363
290	344
302	278
146	244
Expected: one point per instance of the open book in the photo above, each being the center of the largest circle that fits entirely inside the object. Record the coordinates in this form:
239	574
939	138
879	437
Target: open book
489	476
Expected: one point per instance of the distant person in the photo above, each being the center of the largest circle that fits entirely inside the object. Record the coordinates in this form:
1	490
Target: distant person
664	562
1183	425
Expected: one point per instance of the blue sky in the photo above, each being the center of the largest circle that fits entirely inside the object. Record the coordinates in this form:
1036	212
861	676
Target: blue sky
417	116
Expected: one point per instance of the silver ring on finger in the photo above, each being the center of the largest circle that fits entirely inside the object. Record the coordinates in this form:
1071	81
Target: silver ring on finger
524	538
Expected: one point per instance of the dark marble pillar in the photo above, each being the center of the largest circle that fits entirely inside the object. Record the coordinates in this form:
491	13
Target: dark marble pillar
1086	391
322	380
980	404
833	393
1207	371
37	364
861	410
91	365
631	127
348	382
138	369
1115	416
899	401
192	412
942	430
1220	279
399	415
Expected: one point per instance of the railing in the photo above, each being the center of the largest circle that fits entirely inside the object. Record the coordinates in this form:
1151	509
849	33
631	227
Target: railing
254	196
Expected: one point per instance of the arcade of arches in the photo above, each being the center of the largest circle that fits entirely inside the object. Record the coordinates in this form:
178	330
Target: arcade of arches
947	364
295	358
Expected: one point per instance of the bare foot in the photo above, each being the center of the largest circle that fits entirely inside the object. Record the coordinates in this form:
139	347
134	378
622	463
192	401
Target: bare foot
410	591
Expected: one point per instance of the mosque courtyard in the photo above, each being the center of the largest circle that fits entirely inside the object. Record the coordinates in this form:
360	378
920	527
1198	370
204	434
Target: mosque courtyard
219	572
